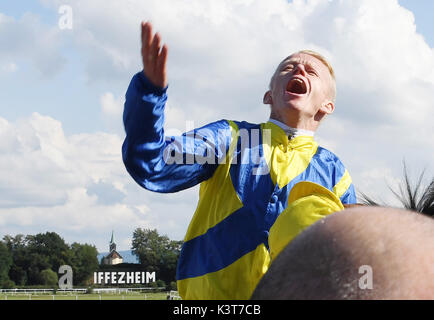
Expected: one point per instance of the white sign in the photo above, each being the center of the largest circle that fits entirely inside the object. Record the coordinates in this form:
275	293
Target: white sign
123	277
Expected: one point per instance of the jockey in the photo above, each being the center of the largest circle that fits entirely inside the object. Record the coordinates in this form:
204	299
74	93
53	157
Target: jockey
246	171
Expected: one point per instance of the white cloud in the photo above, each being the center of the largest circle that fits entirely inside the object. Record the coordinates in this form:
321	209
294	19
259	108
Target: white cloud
76	185
222	54
29	39
8	67
111	106
73	183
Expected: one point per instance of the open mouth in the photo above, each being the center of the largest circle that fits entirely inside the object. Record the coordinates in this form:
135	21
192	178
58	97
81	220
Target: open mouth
296	86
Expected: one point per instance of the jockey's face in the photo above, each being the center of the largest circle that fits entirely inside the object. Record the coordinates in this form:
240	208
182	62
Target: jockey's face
300	91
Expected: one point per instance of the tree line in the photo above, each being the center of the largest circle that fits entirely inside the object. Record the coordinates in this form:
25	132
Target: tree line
34	260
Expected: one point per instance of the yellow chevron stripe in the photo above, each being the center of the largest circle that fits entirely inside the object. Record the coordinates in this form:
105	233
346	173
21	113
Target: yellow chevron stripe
217	196
342	186
247	270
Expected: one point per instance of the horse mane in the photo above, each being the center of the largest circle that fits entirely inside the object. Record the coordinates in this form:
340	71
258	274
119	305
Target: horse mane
412	197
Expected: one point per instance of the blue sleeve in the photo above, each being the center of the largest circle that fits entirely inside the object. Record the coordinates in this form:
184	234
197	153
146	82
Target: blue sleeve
349	197
167	164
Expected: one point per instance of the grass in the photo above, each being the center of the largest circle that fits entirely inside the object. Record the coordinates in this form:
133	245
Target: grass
104	296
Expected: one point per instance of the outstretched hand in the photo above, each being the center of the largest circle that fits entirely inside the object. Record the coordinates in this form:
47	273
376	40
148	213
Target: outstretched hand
154	59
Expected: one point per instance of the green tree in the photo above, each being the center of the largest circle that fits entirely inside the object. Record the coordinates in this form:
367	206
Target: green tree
169	261
8	284
33	253
51	246
48	277
18	275
148	245
84	262
5	263
18	248
36	262
156	253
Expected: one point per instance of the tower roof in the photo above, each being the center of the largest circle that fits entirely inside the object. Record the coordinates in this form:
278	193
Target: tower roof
112	240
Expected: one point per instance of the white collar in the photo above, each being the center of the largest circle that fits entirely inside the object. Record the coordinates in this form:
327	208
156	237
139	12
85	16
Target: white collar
293	132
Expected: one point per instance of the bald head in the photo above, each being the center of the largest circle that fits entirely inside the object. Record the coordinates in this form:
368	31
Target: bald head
358	253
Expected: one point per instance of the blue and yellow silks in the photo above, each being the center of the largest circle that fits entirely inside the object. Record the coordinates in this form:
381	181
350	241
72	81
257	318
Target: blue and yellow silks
308	202
245	184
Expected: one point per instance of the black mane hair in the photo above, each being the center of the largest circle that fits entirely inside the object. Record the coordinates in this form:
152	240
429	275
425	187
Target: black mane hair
412	198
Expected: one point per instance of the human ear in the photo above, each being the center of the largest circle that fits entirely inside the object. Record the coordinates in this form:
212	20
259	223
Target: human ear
327	107
267	98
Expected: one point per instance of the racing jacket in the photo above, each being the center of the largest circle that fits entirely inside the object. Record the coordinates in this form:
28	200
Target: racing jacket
246	172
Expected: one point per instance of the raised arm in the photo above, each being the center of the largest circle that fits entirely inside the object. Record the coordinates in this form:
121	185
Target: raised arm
156	162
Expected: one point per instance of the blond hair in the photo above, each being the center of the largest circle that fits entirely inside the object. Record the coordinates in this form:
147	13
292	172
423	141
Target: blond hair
326	63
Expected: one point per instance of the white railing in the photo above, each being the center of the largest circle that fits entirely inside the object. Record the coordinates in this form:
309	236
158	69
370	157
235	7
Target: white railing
77	291
27	291
71	291
124	290
173	295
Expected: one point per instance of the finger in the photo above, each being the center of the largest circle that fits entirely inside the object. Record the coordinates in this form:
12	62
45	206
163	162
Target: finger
153	51
146	38
143	38
142	34
162	62
142	27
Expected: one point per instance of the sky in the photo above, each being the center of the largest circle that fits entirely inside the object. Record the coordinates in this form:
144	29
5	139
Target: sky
63	84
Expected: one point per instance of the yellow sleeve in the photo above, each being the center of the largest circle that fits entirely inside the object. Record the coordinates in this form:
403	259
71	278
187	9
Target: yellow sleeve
308	202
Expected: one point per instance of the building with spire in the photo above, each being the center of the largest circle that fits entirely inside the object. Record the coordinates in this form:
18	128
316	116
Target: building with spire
113	257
